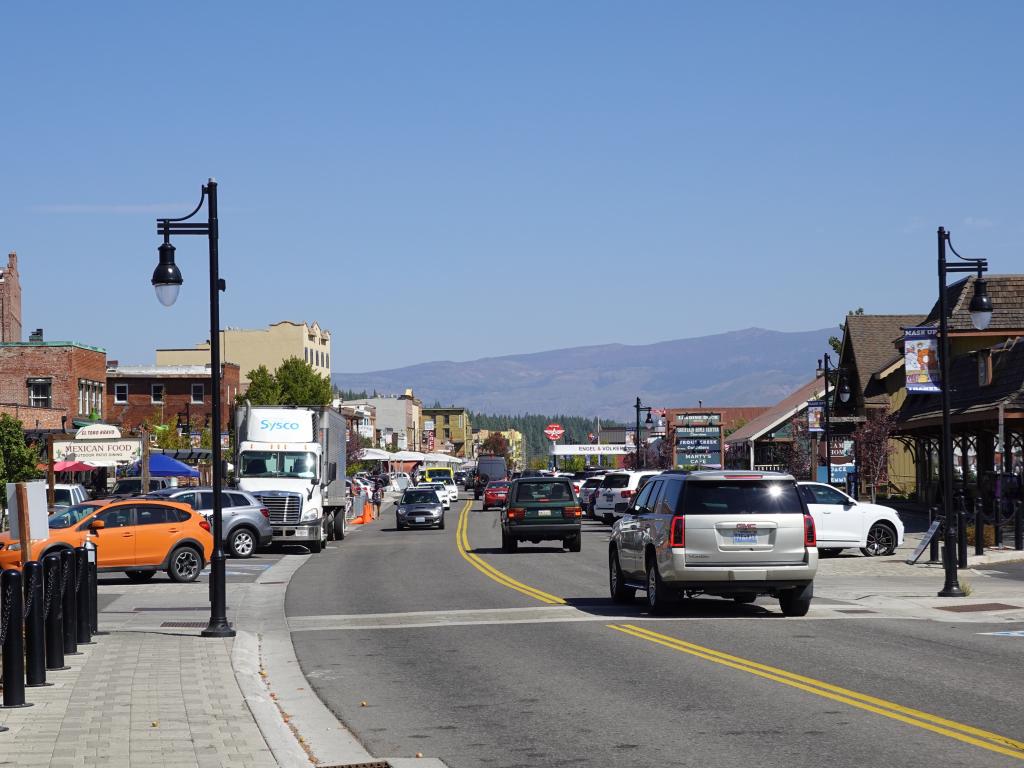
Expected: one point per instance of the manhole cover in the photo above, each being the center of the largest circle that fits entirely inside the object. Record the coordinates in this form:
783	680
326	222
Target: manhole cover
854	610
184	624
979	607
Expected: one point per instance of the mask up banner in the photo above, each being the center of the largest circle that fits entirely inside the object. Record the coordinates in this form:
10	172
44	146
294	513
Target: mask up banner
921	360
815	415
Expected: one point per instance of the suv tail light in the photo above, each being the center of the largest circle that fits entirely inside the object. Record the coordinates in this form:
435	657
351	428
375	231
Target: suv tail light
677	532
626	493
265	512
810	536
516	513
204	524
572	512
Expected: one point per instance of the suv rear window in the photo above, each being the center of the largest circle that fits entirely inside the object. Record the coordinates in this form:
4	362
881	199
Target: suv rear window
615	481
730	497
550	491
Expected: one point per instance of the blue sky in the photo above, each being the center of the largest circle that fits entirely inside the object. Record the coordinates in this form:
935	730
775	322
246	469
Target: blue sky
457	180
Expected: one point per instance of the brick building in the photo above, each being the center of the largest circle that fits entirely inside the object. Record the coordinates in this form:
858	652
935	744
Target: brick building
10	300
42	381
167	394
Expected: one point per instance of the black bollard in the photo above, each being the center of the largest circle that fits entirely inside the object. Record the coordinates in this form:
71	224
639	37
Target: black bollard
12	640
1018	531
53	614
933	547
94	601
961	536
35	633
997	523
979	529
82	610
67	592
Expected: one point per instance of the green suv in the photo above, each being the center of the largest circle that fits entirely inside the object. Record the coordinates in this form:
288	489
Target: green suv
541	509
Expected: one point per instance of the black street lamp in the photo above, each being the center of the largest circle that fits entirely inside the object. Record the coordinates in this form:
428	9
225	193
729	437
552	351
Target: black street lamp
639	407
825	367
167	282
980	309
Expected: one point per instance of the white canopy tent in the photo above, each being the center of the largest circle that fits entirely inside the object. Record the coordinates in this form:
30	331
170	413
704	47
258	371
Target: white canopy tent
374	454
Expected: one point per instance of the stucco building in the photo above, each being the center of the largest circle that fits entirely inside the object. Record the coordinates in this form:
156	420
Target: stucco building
251	348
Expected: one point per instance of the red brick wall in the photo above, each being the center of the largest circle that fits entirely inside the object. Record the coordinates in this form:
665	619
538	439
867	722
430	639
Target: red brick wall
140	410
63	365
46	418
10	300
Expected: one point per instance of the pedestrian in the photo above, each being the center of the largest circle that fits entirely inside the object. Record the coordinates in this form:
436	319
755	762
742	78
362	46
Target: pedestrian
378	498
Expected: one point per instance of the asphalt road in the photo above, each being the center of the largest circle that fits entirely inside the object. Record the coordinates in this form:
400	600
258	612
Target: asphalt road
479	670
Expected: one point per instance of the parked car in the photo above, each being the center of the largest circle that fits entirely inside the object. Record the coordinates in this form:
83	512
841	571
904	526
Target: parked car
137	536
67	495
245	520
541	509
733	534
496	494
401	480
842	522
132	486
441	490
419	507
615	492
587	492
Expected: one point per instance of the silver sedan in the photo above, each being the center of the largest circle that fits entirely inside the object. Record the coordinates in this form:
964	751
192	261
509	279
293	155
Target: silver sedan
419	507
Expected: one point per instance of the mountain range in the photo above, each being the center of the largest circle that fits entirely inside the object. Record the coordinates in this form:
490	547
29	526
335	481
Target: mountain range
748	367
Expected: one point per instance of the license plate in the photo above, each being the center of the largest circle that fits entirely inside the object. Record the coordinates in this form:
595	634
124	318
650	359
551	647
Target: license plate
543	513
419	519
607	497
744	538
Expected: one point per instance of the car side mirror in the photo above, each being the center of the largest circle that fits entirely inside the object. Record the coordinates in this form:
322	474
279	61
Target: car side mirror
96	525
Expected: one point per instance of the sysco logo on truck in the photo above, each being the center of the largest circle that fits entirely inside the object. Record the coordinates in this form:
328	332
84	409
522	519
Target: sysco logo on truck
272	426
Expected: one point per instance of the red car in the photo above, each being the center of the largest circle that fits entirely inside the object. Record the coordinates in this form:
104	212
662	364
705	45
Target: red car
496	494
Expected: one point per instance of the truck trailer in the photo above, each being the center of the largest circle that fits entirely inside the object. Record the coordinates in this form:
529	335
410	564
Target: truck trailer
292	458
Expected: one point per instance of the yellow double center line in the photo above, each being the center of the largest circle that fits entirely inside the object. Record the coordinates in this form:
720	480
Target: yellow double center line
462	541
967	734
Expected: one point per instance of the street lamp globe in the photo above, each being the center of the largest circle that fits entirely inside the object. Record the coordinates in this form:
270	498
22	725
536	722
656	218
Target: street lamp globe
844	391
167	277
648	420
981	305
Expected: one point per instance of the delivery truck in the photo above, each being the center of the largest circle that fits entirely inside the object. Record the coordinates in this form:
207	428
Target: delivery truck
292	458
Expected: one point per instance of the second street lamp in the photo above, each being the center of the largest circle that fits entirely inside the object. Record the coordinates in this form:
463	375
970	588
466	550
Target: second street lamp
825	368
640	407
167	281
980	310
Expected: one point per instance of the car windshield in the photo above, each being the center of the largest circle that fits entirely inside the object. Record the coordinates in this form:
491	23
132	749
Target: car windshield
127	486
278	464
62	496
71	516
440	475
615	481
724	497
558	490
420	497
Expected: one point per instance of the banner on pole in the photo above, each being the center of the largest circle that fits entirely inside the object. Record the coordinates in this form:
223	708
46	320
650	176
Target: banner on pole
921	360
815	415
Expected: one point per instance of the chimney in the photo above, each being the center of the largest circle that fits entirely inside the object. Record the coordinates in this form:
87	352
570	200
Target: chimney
12	260
36	336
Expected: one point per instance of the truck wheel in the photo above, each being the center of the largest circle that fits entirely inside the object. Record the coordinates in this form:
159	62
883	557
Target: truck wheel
340	531
314	547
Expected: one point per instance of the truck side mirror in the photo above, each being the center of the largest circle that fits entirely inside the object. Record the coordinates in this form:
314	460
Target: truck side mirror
332	471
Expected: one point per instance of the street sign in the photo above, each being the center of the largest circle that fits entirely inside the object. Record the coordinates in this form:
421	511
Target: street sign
592	437
554	432
591	449
932	529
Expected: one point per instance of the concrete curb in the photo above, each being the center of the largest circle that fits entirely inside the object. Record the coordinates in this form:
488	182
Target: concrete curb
314	731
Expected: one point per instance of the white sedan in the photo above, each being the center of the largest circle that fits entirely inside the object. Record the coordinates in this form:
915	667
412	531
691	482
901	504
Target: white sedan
842	522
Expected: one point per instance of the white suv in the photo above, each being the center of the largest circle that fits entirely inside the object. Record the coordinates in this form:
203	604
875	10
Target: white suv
729	533
615	492
843	522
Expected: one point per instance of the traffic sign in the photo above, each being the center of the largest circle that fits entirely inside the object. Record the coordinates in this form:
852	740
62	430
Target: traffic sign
592	437
554	432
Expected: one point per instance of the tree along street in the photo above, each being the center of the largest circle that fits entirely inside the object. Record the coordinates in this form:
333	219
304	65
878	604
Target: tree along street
485	658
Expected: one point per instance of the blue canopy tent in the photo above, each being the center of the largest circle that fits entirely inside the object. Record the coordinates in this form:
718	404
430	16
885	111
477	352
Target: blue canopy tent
165	466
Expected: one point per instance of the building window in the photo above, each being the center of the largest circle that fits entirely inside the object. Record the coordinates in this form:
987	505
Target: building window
121	394
447	434
82	397
198	393
306	350
156	394
327	359
39	393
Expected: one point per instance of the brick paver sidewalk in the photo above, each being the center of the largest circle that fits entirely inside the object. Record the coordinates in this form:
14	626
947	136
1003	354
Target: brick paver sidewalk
142	695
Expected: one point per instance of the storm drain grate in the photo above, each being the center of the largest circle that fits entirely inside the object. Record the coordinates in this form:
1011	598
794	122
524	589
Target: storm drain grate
184	624
979	607
854	610
182	608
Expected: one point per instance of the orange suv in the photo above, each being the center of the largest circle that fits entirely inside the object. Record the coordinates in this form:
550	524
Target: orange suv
137	536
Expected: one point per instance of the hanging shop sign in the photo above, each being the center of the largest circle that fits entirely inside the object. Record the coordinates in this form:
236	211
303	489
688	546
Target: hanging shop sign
921	360
815	415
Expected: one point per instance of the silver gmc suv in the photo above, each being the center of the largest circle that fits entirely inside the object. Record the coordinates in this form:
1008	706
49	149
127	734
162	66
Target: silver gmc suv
733	534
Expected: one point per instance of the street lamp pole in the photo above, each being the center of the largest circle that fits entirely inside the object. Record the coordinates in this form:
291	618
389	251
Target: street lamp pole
640	407
843	388
167	281
981	315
